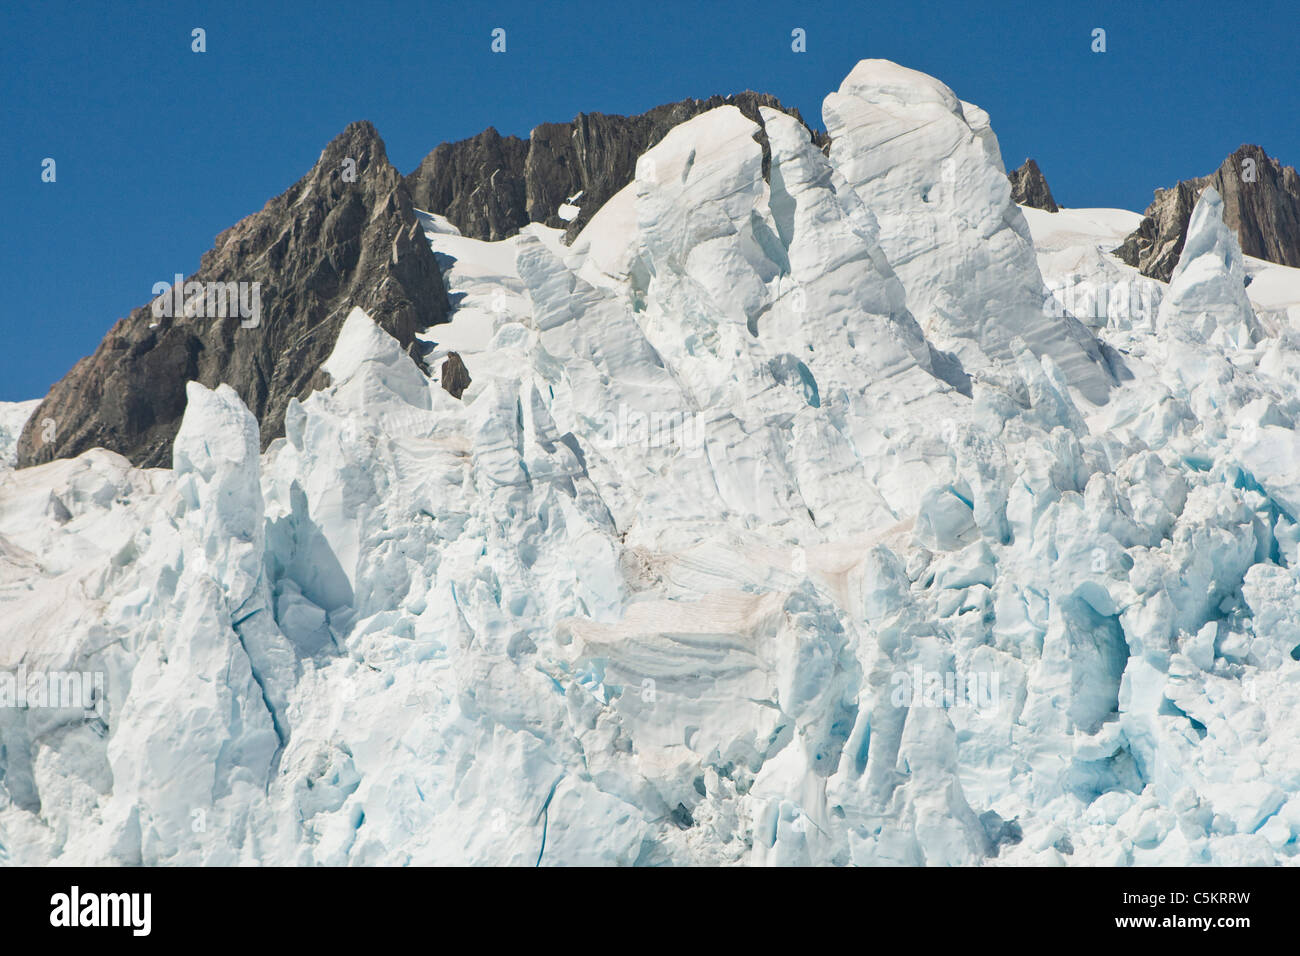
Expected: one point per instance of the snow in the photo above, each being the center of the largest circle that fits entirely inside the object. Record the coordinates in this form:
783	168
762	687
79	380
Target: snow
1274	289
434	225
785	522
935	180
13	418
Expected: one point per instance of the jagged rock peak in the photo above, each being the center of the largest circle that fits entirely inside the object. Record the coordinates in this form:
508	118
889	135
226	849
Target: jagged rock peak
1029	187
342	235
1261	205
490	186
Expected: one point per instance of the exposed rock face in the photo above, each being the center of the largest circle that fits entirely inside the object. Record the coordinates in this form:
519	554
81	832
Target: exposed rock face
477	183
1029	187
330	242
489	187
1155	246
455	376
1261	204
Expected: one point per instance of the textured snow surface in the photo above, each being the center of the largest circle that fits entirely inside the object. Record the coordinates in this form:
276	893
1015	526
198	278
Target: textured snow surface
785	521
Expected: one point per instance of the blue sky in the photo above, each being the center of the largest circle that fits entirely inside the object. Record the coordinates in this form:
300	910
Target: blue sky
158	148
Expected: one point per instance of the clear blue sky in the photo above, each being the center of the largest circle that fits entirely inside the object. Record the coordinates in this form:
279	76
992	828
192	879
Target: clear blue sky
159	149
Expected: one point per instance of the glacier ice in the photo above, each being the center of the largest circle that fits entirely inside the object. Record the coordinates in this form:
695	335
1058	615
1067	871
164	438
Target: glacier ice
928	166
787	520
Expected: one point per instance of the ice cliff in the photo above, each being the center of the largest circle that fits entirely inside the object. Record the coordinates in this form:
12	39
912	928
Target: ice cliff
787	519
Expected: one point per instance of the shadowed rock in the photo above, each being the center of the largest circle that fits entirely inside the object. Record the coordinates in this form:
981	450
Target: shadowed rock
328	243
1261	204
490	186
477	183
455	376
1029	187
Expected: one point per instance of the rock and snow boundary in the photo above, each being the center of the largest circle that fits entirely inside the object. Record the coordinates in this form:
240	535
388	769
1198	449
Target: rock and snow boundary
783	522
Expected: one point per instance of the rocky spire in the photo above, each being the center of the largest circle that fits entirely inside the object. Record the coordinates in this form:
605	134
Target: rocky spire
343	235
1029	187
1261	205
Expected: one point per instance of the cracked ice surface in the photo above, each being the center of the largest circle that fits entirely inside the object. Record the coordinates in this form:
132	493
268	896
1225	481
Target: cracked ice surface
749	480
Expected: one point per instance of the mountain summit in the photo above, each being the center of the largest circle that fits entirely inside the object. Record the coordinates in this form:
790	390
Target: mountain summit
490	186
345	234
1029	187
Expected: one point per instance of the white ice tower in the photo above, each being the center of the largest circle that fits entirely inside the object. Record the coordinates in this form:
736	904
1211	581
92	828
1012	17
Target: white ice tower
928	167
1207	291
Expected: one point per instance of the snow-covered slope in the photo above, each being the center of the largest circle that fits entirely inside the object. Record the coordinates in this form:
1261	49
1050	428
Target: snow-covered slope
786	520
13	416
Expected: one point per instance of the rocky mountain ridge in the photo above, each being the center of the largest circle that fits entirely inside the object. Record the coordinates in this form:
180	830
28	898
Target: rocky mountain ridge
343	234
490	186
1261	204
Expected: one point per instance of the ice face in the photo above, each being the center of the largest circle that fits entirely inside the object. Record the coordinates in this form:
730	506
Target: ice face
785	521
1207	295
933	176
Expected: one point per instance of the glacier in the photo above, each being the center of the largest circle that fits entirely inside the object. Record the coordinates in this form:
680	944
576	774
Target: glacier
787	520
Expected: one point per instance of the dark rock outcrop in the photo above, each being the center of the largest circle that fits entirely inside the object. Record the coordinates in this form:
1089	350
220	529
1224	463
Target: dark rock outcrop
490	186
332	241
455	376
477	183
1029	187
1261	204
